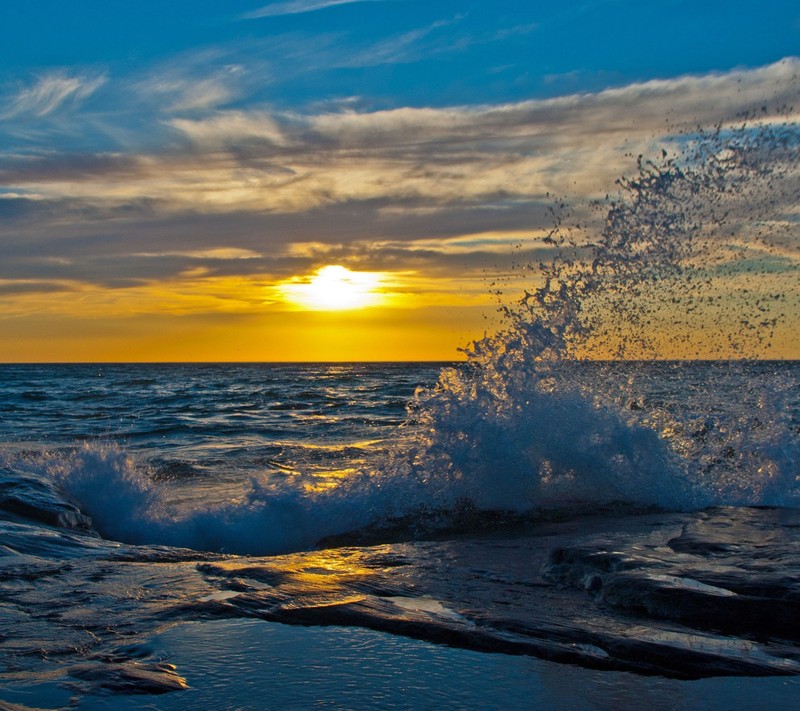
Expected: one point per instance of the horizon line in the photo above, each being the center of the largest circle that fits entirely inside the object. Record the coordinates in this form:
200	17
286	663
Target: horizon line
394	362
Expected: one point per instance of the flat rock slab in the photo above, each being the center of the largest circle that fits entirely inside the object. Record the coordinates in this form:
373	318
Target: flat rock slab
679	595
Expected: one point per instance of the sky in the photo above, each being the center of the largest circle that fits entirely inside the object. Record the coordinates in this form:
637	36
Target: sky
321	180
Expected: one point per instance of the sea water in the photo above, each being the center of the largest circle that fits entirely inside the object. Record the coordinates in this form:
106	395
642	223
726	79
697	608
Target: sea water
563	498
132	512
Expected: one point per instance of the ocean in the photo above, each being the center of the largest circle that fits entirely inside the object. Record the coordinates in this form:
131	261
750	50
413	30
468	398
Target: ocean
564	520
163	524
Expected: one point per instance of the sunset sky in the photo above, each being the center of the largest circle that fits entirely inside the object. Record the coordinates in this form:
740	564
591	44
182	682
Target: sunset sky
330	179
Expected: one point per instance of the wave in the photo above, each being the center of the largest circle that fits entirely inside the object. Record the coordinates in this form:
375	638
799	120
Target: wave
677	262
476	468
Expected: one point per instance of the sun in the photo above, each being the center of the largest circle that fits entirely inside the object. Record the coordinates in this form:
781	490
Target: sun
334	288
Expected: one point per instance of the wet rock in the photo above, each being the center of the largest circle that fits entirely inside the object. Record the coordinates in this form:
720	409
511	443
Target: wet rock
618	598
131	677
7	706
28	495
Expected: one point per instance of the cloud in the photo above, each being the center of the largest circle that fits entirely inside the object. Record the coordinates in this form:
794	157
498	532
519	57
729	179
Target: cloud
23	286
297	7
193	82
69	166
430	158
186	95
459	155
403	48
262	194
50	93
231	128
494	158
516	31
216	254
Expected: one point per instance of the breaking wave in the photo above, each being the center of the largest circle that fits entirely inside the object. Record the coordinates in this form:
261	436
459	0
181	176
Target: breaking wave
692	259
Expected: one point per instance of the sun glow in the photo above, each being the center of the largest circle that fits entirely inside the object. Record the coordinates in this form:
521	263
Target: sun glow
335	288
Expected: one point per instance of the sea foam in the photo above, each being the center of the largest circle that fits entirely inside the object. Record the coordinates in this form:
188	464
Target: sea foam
688	258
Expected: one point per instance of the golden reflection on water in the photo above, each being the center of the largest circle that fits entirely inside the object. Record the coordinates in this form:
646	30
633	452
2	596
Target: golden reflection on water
310	579
329	479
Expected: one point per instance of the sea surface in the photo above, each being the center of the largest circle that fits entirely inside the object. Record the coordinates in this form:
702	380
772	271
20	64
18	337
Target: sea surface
282	536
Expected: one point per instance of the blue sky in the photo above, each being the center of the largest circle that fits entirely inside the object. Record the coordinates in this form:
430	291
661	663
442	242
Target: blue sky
176	145
398	52
133	63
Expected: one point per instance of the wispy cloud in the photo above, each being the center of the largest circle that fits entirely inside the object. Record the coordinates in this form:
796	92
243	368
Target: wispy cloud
413	158
194	81
50	93
239	192
187	95
517	31
232	128
297	7
406	47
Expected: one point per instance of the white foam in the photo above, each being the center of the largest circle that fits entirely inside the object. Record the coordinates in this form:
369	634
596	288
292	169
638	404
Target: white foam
520	427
